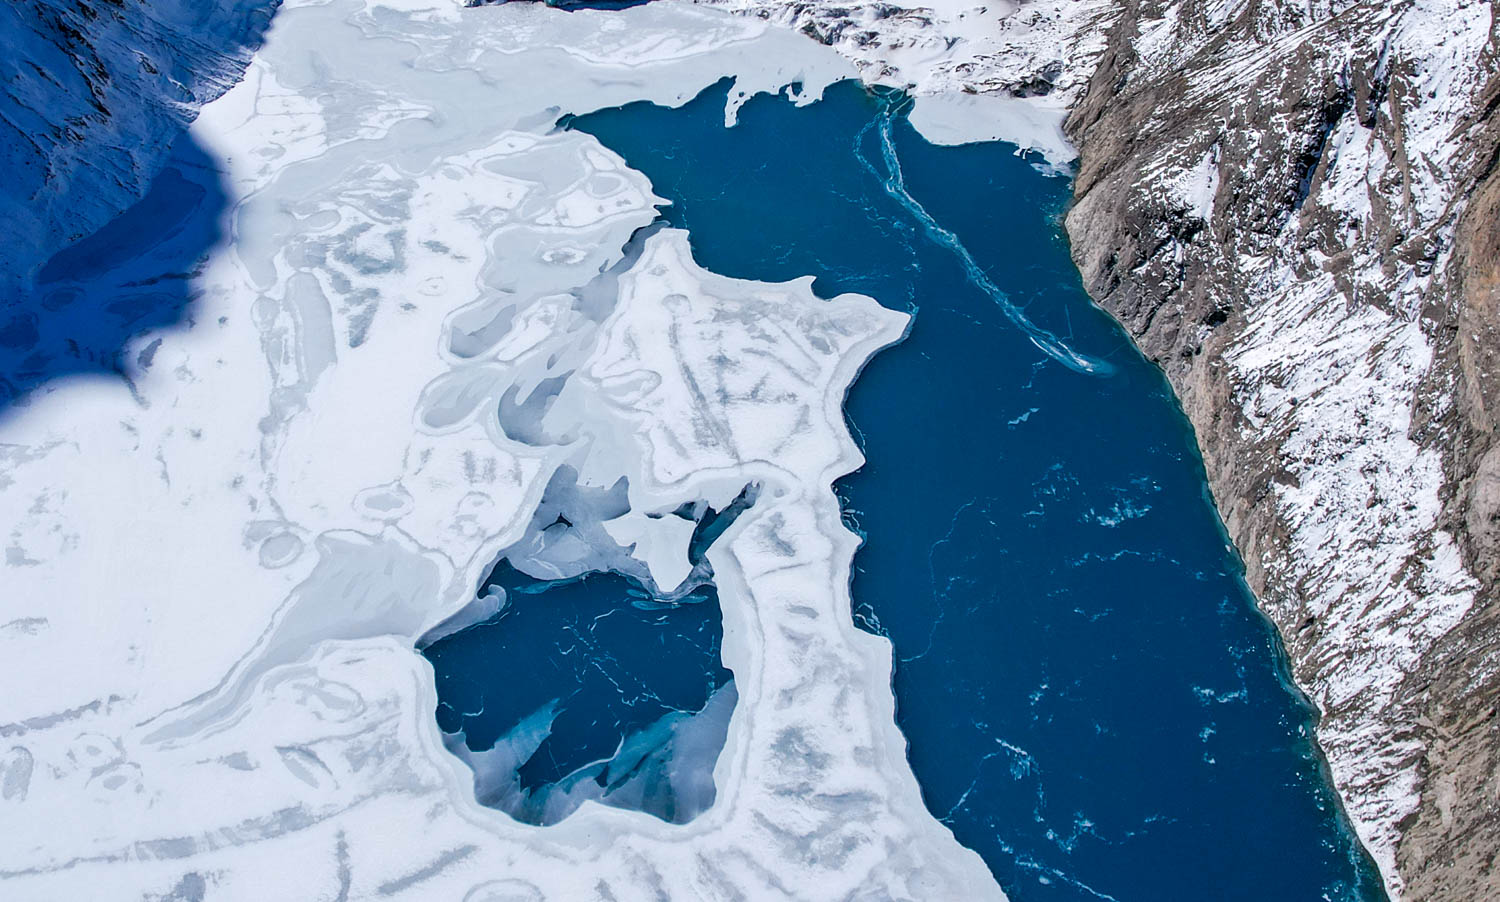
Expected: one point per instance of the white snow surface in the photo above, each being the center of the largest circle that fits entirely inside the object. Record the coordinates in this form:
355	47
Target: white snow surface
958	118
220	569
942	50
660	542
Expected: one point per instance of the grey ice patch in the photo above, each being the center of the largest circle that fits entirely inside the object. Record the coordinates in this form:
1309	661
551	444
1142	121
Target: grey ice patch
15	556
15	774
386	503
191	888
306	766
280	550
367	254
173	848
47	721
427	872
346	868
504	891
147	355
24	626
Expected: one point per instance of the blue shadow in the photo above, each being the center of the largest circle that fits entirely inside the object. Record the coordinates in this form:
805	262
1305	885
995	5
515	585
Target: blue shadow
132	276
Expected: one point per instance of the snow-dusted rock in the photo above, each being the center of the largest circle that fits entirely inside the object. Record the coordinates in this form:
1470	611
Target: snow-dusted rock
1273	198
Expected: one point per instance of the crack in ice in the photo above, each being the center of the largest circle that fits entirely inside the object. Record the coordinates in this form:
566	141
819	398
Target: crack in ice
894	183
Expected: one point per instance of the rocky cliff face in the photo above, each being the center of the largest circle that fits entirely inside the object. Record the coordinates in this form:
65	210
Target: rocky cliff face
1292	205
92	94
1292	208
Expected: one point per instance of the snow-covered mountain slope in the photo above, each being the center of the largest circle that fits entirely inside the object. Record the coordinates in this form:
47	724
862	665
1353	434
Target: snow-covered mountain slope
92	94
1293	207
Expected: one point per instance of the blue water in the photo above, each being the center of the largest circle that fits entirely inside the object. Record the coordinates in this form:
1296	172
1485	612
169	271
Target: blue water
611	660
128	278
1091	699
613	679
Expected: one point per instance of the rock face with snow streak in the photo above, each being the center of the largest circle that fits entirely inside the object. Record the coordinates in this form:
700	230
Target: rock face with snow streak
1293	208
93	95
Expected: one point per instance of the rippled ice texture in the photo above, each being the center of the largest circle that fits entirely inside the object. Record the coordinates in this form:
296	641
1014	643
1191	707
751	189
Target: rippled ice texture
219	570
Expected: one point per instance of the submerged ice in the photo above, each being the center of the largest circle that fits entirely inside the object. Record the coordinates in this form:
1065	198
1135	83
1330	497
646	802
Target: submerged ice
588	667
587	689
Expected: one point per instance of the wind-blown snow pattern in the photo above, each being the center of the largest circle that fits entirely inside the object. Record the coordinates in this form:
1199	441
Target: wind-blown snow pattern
218	568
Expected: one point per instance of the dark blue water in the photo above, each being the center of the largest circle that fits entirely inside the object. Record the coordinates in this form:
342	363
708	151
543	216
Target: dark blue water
610	660
126	279
1091	699
591	679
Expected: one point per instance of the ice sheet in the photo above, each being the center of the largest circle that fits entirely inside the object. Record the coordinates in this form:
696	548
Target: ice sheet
431	301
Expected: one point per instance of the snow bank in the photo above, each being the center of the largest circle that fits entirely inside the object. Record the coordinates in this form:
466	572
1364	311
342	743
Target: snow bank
1008	70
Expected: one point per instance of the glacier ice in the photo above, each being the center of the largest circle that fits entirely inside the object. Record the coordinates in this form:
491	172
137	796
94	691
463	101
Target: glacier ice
431	303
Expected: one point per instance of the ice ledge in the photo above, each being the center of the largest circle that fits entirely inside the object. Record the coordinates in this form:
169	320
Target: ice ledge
1008	70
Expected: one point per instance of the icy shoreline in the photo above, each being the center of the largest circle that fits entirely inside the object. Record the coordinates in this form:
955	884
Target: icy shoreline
1008	71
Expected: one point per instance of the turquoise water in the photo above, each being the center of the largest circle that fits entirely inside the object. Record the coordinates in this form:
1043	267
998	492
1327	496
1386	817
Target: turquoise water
1091	699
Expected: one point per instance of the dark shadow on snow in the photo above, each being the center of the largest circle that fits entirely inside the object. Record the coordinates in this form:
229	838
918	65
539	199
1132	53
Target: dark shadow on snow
132	276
